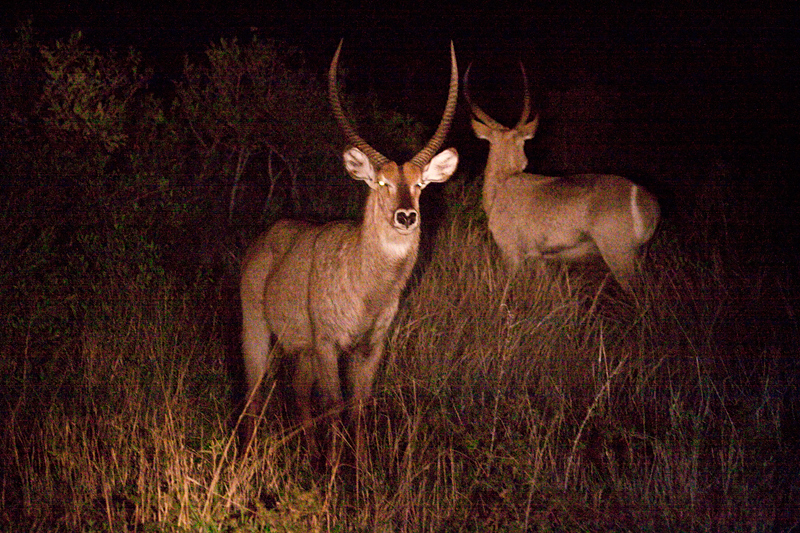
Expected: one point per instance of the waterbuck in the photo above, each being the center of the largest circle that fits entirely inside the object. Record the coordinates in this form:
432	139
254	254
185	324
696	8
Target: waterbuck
331	290
558	218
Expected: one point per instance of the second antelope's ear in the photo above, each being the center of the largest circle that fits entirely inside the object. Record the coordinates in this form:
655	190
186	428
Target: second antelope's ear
359	166
481	130
529	130
440	168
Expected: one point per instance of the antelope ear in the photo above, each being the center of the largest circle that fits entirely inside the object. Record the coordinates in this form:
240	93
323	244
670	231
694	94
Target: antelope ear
359	166
441	167
529	130
481	130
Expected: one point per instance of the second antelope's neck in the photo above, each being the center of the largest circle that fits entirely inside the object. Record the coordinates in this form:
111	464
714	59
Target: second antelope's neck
505	160
493	178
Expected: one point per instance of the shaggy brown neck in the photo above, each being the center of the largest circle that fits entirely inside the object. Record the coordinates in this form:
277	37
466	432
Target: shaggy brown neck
384	258
493	177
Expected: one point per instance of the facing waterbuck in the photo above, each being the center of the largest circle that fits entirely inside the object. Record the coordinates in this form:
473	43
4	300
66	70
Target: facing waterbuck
331	290
558	218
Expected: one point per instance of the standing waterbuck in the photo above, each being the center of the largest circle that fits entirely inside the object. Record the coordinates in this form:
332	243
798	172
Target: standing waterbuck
558	218
331	290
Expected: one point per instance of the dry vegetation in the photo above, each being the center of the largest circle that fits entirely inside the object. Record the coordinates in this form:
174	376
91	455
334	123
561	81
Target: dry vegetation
502	405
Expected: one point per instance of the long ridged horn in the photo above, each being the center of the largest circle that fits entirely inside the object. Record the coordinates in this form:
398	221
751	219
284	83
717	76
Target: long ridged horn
378	159
426	154
526	104
479	113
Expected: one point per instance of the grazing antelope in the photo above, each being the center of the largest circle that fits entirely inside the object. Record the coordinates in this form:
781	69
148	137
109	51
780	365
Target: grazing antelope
558	218
328	290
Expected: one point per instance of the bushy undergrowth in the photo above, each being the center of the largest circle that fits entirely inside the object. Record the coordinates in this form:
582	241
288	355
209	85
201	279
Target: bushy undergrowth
527	404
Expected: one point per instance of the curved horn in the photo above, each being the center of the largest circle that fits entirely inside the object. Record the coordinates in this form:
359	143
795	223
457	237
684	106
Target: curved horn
479	113
526	104
426	154
353	138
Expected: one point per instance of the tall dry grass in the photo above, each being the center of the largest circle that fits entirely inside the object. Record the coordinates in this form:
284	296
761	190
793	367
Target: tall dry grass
529	404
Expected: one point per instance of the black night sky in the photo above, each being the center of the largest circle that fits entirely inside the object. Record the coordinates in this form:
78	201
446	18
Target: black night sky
693	79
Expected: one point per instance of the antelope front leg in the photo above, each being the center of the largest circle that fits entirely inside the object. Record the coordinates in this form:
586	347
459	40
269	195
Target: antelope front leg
326	361
303	382
362	375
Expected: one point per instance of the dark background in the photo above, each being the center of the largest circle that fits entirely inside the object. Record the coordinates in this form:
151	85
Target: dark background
697	88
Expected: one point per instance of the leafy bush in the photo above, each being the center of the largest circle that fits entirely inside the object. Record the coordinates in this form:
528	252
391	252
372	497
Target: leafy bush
87	94
247	106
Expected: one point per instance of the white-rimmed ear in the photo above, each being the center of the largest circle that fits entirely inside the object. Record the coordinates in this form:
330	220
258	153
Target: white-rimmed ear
441	167
359	166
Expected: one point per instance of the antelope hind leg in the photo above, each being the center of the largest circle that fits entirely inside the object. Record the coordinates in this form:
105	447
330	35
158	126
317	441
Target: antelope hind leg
257	352
623	266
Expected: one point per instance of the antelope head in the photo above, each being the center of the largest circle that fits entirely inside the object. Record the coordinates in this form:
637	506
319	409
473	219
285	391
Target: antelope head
508	144
396	189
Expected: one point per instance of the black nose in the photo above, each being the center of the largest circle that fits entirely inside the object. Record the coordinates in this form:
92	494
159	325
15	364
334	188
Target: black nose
406	218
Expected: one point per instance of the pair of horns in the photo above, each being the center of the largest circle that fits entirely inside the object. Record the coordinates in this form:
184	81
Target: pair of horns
425	155
481	115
